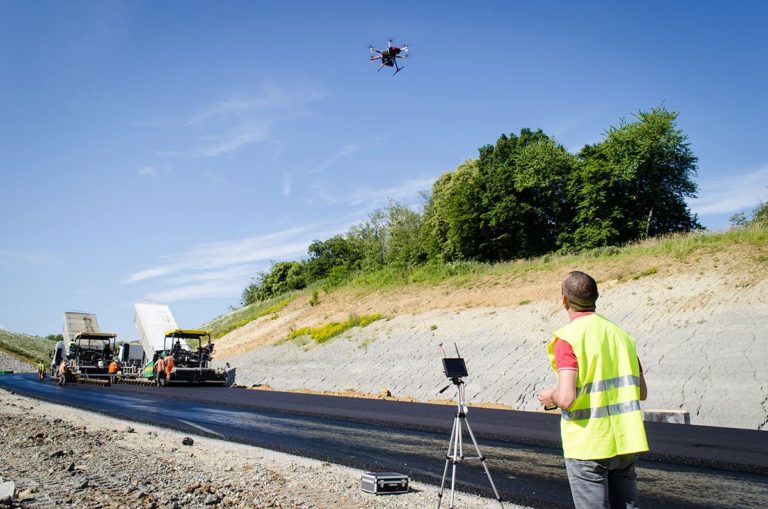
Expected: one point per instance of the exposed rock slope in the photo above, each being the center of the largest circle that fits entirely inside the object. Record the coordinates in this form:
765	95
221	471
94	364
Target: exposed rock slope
699	323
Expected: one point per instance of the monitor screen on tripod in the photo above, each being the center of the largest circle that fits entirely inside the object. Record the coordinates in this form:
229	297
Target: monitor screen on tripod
454	367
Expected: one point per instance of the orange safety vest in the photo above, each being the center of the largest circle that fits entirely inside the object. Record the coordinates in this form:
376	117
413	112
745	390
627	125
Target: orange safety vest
168	366
159	365
112	367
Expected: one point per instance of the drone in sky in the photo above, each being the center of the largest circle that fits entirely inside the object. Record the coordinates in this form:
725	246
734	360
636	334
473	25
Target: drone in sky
389	56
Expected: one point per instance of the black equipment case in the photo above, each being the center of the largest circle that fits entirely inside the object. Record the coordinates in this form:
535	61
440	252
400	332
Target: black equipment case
380	483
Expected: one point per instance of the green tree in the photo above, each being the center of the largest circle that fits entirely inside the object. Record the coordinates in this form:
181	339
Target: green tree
337	251
633	184
370	237
524	180
760	215
452	222
282	277
403	245
738	220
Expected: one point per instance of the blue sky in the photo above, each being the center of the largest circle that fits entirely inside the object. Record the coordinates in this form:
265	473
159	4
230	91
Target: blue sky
171	150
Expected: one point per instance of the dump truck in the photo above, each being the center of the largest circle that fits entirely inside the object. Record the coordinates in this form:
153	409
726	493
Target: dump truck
85	353
191	350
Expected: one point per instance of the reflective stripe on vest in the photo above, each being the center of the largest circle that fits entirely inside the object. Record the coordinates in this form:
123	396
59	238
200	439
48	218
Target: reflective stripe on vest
611	383
603	411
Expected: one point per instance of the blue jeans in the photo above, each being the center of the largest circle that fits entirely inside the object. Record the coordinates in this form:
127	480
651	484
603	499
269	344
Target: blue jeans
609	483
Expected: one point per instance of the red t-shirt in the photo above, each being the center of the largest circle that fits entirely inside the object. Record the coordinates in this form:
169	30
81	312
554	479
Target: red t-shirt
564	356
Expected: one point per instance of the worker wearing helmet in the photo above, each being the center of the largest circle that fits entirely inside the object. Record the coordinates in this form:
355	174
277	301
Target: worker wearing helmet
160	370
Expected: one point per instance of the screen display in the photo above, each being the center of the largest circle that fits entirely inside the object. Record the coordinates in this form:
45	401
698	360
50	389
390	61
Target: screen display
454	367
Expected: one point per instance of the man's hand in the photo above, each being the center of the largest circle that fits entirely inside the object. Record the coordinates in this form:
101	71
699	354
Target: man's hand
545	398
565	393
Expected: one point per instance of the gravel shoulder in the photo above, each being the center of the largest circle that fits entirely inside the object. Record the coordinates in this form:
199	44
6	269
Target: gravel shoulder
57	456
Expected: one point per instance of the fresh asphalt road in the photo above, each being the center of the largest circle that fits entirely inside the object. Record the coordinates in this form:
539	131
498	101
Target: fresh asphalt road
691	466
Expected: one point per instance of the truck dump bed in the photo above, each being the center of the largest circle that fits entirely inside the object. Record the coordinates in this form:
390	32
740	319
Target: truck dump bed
152	319
76	322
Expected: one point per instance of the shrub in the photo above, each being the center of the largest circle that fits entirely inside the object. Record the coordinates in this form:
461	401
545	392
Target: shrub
325	332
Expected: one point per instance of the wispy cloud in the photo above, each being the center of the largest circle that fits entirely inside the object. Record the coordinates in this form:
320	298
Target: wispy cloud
147	171
343	152
272	97
239	120
407	192
370	197
220	144
223	282
209	290
319	168
731	193
222	255
12	258
287	184
220	269
215	177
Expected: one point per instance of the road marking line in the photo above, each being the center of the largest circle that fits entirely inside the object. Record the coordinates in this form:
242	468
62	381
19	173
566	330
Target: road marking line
203	428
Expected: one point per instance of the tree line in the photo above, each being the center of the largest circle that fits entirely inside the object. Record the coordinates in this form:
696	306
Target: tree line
522	197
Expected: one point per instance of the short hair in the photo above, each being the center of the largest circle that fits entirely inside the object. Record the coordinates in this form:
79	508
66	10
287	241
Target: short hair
581	291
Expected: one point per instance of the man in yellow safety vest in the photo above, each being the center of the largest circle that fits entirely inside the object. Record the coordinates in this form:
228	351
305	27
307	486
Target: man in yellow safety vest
599	389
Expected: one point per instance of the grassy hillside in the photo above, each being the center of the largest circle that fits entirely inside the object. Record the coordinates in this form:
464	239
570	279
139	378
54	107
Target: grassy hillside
32	348
235	319
747	247
674	247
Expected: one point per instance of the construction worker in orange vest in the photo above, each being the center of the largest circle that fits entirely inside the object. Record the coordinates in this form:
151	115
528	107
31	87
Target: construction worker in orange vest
64	372
112	368
168	367
160	371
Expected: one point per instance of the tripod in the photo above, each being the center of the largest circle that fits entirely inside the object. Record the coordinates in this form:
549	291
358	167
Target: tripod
455	452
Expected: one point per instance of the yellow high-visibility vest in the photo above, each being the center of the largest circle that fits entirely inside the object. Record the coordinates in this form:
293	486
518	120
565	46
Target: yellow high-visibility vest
605	419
